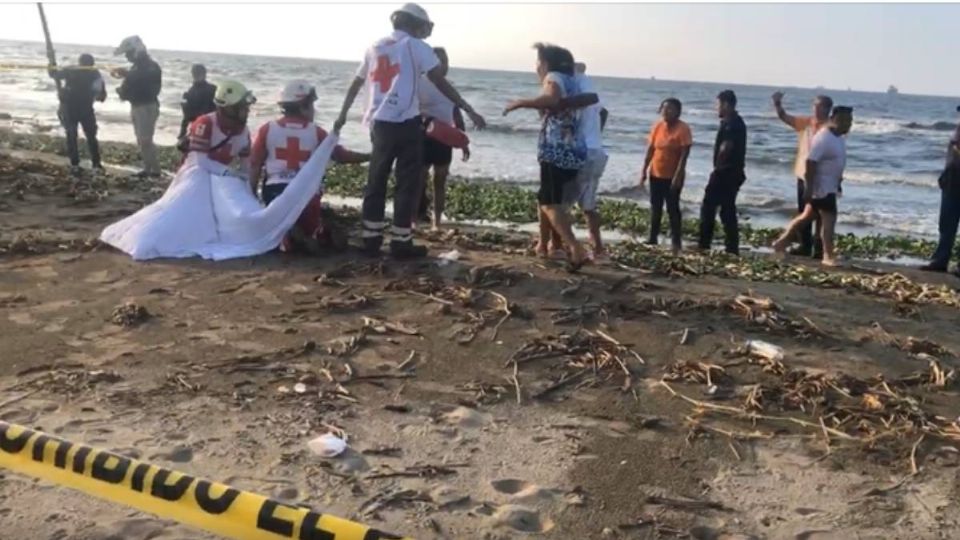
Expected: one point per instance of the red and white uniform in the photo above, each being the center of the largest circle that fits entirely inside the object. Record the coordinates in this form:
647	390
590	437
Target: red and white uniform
216	149
282	146
392	68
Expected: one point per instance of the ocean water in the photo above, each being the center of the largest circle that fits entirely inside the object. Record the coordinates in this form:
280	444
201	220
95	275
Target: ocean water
895	150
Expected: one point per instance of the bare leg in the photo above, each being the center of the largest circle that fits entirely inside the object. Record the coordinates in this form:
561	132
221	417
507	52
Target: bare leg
560	218
546	229
780	246
828	222
419	199
593	228
440	173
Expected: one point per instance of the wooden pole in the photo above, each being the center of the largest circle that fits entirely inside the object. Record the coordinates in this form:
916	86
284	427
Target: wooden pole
51	54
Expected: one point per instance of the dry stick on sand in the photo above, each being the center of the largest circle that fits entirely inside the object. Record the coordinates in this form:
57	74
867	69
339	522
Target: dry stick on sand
740	412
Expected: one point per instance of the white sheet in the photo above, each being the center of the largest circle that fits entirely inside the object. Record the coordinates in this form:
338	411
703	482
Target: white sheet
216	217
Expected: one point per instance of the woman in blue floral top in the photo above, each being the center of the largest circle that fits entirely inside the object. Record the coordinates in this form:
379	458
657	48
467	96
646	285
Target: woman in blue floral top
561	151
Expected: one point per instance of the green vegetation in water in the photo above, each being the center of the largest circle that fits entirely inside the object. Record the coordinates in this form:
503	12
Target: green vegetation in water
491	201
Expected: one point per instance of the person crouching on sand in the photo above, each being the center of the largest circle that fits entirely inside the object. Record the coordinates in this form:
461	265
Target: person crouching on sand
666	162
823	175
280	149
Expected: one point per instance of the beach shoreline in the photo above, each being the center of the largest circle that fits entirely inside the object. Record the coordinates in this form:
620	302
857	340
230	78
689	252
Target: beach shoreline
492	397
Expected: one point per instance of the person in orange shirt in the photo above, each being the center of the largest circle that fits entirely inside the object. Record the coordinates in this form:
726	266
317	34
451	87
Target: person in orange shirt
666	162
806	127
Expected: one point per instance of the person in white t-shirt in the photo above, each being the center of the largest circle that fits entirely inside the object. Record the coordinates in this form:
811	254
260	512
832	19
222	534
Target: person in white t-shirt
826	161
391	72
592	121
437	155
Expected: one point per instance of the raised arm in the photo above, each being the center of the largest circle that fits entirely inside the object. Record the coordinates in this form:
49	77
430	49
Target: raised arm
781	112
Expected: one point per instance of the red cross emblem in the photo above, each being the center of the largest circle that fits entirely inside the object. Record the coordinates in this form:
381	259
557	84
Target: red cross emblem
385	72
293	155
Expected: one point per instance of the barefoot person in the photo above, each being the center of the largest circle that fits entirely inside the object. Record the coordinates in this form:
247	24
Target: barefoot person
391	72
666	163
823	175
806	127
208	210
949	207
592	121
82	85
280	149
141	87
437	155
560	151
729	162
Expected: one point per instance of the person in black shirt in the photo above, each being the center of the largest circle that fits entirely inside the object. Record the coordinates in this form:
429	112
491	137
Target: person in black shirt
141	87
949	207
81	86
729	162
198	100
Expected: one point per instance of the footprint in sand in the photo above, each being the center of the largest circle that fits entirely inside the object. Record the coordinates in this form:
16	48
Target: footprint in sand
180	454
521	519
523	491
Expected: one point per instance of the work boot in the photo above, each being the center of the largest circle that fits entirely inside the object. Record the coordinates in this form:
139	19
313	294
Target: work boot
371	246
406	250
933	267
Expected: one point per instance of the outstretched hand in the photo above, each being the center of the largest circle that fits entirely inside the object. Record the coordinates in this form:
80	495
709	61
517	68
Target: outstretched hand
777	97
478	121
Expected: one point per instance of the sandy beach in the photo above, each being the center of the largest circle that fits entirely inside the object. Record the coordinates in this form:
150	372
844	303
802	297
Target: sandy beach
492	397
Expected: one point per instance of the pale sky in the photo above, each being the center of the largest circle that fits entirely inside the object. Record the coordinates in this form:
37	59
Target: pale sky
863	46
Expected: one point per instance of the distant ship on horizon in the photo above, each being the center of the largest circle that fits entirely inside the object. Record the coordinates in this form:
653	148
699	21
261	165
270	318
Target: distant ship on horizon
893	90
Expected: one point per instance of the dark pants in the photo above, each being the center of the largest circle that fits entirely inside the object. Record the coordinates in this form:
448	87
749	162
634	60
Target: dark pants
660	192
949	219
721	192
87	120
810	241
401	143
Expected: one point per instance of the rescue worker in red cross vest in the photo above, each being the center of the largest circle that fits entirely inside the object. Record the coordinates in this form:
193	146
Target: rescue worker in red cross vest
280	149
219	142
391	72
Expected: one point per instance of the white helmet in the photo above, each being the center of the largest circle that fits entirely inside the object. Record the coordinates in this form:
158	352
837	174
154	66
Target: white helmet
130	44
414	10
296	92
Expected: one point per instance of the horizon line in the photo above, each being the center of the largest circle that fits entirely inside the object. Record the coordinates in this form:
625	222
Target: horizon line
505	70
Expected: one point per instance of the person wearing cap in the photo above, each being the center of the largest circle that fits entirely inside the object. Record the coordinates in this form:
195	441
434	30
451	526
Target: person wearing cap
823	173
391	73
949	182
141	87
198	100
280	149
82	85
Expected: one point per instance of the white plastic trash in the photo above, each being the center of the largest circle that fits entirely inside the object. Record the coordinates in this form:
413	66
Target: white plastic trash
448	257
327	446
300	388
764	349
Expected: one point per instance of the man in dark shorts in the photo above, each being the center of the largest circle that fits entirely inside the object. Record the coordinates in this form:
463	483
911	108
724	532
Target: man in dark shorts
729	162
823	174
438	108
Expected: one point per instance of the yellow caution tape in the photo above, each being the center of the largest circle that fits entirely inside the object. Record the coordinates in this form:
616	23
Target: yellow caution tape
207	505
